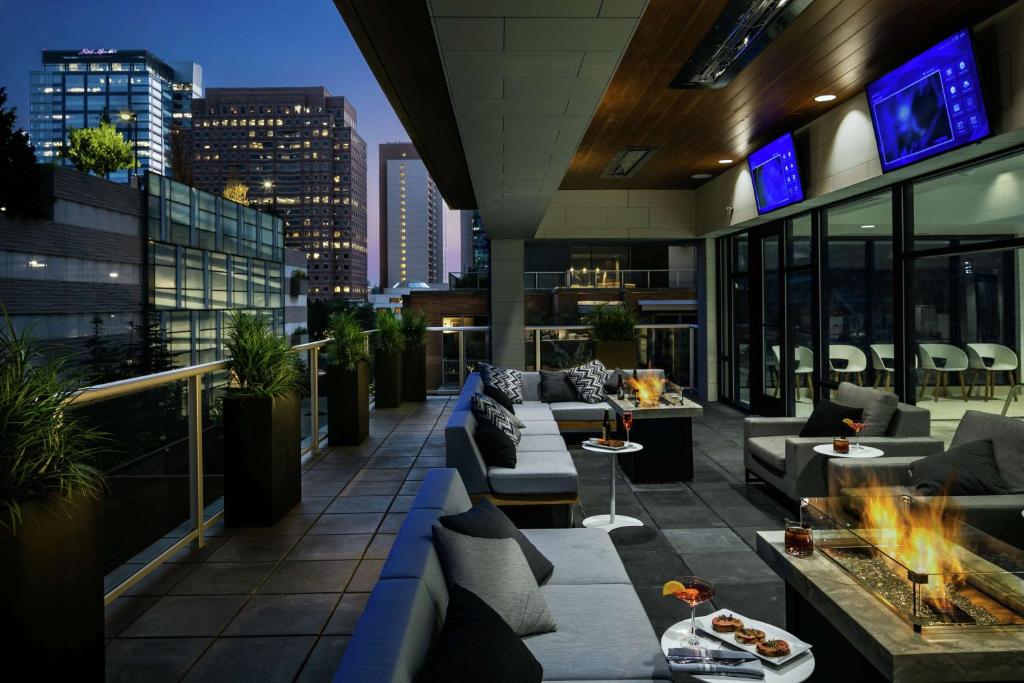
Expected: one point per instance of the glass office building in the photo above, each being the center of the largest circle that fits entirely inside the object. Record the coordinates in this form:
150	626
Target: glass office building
142	95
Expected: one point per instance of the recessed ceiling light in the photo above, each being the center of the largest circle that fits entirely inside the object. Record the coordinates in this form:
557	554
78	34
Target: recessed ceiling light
867	227
701	176
824	98
725	161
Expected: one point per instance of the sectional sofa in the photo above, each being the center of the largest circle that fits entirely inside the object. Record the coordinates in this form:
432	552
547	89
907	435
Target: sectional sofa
545	472
603	633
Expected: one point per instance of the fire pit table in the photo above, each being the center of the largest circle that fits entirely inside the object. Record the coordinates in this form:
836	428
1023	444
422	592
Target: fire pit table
665	428
901	590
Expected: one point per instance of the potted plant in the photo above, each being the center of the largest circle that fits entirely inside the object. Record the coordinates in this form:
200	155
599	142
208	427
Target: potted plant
262	449
51	573
613	329
299	283
388	342
414	357
346	382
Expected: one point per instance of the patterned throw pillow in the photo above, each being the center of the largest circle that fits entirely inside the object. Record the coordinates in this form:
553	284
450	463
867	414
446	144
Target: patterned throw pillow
508	380
589	381
487	409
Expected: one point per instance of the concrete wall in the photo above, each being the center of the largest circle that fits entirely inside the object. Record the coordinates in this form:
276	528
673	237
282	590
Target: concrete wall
619	214
508	347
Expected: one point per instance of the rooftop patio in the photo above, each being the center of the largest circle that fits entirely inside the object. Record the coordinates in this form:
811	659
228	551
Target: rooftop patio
278	604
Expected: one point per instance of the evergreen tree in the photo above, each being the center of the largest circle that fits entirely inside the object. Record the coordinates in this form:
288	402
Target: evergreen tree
24	185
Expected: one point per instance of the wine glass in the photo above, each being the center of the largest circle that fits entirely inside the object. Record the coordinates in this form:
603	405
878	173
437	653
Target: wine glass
696	591
627	422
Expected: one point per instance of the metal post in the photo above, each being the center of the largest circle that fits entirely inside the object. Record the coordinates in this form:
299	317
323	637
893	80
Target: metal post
314	399
536	350
611	516
690	344
462	359
194	412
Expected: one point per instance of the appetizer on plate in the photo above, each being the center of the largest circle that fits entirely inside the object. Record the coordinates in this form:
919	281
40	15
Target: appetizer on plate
773	648
749	636
611	443
726	623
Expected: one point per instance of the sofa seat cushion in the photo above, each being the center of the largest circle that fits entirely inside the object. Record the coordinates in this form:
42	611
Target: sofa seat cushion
532	443
603	634
580	556
770	451
537	473
533	410
540	427
578	411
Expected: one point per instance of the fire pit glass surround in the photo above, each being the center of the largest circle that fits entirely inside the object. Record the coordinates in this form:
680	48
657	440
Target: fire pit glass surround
920	560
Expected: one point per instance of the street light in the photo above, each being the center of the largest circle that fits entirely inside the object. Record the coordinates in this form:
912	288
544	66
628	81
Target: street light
134	117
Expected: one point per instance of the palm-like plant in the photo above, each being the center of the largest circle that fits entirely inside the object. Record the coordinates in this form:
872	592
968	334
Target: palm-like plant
389	337
611	323
347	347
47	448
414	328
260	362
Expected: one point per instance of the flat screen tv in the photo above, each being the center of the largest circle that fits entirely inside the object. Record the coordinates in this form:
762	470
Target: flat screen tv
930	105
776	177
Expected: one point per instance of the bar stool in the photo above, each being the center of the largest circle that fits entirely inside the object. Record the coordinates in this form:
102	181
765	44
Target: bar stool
856	361
1003	360
956	361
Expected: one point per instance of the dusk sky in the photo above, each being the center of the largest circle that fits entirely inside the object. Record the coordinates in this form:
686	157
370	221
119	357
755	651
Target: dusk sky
255	43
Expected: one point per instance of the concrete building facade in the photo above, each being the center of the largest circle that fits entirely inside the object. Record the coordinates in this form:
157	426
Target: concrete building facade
411	219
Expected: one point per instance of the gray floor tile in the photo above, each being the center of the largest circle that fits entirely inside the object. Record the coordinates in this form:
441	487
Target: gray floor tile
330	547
687	541
119	614
247	660
162	579
311	576
357	523
366	576
330	474
764	601
390	462
346	614
379	475
224	578
290	525
186	615
380	546
402	504
210	546
154	660
730	567
372	488
322	488
323	660
283	615
346	504
254	549
392	522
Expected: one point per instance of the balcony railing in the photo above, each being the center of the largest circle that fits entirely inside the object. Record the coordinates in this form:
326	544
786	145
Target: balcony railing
480	279
611	279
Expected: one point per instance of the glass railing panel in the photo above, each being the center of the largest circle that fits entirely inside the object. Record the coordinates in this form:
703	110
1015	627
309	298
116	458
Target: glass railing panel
565	348
669	349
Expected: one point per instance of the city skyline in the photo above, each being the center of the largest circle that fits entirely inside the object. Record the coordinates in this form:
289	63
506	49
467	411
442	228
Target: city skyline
323	54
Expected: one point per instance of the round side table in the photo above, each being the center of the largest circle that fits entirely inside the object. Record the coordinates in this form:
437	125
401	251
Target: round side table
611	520
859	452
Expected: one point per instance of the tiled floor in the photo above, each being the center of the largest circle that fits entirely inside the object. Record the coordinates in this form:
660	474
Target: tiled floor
279	604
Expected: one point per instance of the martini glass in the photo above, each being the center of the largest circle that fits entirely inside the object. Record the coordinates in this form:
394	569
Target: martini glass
696	591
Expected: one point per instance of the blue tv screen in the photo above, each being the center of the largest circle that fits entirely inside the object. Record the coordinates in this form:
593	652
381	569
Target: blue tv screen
930	105
776	178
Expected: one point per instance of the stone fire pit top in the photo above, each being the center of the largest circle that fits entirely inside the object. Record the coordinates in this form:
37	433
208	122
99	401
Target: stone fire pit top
686	408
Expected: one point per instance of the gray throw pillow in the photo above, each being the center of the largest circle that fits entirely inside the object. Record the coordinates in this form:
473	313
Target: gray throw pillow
497	571
878	406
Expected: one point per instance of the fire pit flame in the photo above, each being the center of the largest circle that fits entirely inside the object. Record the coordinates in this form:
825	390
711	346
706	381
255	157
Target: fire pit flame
648	390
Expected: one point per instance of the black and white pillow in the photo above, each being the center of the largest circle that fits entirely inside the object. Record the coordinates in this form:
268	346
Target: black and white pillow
496	436
589	381
508	380
502	399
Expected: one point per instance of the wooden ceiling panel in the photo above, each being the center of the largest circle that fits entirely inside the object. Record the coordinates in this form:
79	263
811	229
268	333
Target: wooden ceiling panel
834	46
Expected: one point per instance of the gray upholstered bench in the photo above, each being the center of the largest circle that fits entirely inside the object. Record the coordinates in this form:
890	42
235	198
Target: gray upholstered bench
603	633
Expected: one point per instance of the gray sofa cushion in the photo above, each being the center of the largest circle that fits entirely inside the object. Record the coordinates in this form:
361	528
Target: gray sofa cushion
578	411
770	450
533	410
497	571
580	556
1007	437
537	427
878	406
603	633
532	443
536	473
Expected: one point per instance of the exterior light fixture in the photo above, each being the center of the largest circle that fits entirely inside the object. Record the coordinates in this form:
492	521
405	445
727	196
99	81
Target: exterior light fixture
725	161
701	176
824	98
867	227
114	275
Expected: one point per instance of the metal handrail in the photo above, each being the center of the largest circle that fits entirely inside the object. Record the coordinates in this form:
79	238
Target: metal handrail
619	278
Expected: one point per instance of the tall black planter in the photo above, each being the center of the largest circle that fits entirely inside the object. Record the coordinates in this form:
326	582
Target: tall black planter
262	459
388	378
348	405
414	373
51	589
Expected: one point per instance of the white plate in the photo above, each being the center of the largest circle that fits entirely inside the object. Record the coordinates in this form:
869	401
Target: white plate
796	646
593	444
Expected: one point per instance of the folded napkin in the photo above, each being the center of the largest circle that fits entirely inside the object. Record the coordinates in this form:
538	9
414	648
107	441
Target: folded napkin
699	660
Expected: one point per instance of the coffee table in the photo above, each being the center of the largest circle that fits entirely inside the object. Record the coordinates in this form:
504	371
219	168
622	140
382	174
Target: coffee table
797	671
862	452
611	520
666	430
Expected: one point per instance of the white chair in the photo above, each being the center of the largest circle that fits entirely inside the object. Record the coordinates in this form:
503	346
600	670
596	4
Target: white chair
880	353
803	361
856	362
955	361
1003	359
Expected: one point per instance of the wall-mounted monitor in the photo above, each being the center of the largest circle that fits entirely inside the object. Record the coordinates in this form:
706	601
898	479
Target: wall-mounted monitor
930	105
776	177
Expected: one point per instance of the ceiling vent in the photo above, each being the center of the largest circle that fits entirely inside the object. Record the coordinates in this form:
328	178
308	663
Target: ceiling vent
743	30
626	163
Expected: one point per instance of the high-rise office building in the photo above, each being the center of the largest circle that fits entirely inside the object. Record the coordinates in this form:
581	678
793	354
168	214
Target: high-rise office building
475	249
142	95
298	152
411	218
